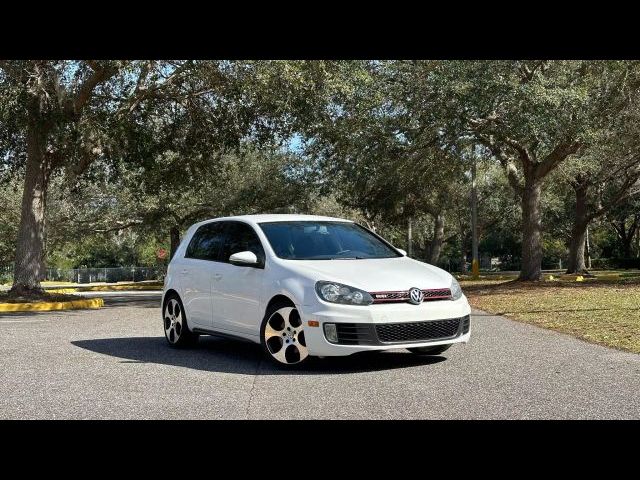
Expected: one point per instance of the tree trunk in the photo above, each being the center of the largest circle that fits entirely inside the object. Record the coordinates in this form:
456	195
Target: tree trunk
463	250
531	268
435	246
587	250
626	245
174	233
576	262
626	236
29	258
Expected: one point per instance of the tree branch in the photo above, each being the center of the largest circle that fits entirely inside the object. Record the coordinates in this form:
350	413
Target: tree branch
120	226
522	151
507	162
101	73
142	93
555	157
625	191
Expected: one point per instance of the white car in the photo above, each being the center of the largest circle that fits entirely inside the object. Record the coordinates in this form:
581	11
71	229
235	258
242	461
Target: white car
304	285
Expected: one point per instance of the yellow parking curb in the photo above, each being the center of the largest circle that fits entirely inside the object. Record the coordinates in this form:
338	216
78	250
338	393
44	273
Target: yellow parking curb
48	306
106	288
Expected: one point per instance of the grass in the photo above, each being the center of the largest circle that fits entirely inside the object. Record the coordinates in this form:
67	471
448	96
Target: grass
604	309
47	297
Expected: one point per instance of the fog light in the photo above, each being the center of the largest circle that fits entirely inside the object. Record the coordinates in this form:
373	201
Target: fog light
331	332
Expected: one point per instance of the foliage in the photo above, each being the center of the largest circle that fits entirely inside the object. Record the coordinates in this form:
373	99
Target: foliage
9	218
158	145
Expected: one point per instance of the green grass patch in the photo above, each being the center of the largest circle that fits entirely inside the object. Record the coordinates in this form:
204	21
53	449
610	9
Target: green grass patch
603	310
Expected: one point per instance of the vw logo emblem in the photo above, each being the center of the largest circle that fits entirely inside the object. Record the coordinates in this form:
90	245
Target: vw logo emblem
416	296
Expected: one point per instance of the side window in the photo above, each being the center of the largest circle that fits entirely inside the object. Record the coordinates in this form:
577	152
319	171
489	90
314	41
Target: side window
207	242
240	238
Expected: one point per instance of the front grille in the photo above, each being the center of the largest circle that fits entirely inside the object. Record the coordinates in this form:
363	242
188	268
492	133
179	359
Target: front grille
387	297
436	293
417	331
403	296
385	333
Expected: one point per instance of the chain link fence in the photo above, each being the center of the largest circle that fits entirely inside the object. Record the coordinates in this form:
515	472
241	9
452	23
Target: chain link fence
91	275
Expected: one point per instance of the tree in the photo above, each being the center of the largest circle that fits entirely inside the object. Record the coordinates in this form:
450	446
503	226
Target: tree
613	184
532	116
624	218
247	181
59	117
169	194
379	156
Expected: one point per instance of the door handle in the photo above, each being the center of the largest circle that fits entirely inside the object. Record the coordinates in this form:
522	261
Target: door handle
184	271
217	276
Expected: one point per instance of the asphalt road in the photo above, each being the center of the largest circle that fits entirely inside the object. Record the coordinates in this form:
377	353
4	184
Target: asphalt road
114	363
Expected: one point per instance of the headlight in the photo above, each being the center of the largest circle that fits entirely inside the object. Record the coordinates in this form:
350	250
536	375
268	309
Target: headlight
456	291
338	293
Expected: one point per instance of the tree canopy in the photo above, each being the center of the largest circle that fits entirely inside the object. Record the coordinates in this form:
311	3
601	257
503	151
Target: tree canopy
136	151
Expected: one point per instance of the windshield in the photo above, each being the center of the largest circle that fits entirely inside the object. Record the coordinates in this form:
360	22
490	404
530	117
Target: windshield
309	240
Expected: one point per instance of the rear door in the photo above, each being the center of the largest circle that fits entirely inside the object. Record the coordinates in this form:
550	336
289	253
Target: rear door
199	270
238	292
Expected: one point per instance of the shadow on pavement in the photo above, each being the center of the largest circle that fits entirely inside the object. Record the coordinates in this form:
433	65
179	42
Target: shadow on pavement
221	355
147	301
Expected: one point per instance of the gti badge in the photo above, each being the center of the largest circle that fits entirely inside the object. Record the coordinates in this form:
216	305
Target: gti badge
416	296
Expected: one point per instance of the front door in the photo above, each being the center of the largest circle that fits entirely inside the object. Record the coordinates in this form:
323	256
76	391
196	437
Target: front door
239	289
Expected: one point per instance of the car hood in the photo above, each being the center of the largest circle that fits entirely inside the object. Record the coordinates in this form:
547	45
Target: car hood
375	275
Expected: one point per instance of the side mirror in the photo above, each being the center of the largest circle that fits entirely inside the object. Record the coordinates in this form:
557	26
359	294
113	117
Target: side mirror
403	252
244	259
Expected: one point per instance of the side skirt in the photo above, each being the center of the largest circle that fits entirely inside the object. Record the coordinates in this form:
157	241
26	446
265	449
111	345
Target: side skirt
217	333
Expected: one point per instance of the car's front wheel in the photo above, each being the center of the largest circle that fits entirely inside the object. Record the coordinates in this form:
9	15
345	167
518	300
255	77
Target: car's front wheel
282	335
435	350
176	329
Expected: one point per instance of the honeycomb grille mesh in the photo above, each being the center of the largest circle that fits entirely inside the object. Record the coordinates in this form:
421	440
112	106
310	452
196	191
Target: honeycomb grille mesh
417	331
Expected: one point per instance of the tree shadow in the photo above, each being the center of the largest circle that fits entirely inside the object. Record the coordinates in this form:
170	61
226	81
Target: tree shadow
512	286
213	354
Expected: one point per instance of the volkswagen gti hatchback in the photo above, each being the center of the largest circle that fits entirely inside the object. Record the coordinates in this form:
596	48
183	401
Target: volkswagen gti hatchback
305	286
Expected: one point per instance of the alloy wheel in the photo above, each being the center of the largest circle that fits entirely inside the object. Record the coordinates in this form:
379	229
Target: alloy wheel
173	321
284	336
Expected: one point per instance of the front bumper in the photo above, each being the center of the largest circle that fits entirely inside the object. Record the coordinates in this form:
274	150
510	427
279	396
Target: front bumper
365	319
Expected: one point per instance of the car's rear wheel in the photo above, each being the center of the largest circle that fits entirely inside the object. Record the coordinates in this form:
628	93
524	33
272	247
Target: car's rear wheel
282	335
435	350
176	329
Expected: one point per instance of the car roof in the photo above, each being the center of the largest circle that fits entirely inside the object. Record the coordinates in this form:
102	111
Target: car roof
280	217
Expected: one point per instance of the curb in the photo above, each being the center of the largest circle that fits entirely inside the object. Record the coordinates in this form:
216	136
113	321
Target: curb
49	306
112	288
116	288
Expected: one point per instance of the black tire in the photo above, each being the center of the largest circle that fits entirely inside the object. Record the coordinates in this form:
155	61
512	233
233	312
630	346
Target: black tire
435	350
295	351
175	326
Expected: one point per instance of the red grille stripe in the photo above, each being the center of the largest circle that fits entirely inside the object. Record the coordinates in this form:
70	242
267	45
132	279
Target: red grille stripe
403	296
